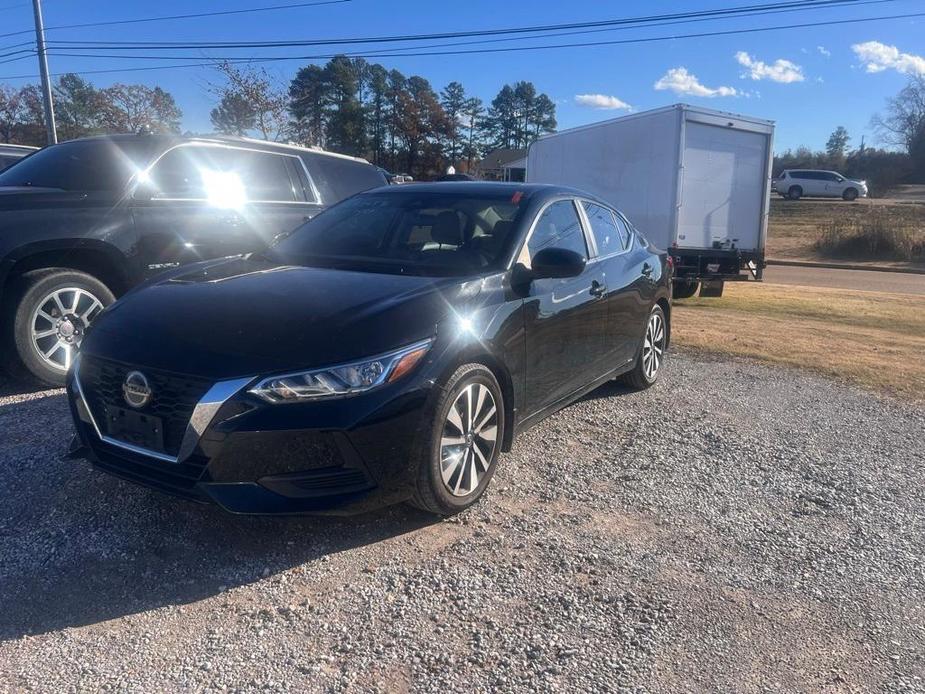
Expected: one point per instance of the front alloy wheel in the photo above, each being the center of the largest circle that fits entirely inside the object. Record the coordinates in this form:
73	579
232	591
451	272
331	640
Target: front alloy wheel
470	434
458	457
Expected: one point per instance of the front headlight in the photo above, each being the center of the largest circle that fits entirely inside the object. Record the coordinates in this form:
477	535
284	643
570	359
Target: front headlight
341	380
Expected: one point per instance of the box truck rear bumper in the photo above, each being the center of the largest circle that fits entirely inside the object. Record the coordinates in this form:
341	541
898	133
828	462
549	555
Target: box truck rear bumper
715	265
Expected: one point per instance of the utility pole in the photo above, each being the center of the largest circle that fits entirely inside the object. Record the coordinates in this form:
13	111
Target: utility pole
43	69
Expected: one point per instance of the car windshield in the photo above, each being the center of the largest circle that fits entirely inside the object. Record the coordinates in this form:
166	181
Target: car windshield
79	166
417	233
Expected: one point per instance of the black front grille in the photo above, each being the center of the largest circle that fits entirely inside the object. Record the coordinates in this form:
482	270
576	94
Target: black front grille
174	396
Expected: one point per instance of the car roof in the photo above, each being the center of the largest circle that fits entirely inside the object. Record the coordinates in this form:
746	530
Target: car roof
163	141
479	188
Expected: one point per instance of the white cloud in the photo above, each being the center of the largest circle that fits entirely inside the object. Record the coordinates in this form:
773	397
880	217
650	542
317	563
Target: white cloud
680	81
878	57
602	101
780	70
824	51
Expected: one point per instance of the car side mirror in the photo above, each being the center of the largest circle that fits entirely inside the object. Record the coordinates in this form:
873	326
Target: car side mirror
557	262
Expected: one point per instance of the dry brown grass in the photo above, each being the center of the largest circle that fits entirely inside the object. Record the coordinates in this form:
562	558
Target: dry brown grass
879	235
796	228
875	340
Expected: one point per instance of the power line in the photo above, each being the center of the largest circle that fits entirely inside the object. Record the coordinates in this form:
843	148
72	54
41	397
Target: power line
649	39
396	51
742	10
196	15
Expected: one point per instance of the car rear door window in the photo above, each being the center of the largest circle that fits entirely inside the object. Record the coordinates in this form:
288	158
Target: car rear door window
558	227
610	233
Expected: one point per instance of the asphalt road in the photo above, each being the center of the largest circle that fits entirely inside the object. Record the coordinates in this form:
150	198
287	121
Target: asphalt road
868	280
735	528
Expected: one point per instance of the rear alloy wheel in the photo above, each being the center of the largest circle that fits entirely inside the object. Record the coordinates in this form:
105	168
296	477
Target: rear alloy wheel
795	193
52	318
651	352
850	195
465	442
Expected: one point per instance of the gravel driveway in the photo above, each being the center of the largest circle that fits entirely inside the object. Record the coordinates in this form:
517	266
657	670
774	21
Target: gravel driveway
736	528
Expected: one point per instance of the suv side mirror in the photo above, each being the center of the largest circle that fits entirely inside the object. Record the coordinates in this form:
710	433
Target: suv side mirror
557	262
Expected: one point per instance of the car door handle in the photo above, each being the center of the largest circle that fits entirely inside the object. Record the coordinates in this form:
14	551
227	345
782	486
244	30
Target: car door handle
647	270
598	289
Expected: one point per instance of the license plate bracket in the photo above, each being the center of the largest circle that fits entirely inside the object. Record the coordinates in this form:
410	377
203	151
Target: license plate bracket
136	428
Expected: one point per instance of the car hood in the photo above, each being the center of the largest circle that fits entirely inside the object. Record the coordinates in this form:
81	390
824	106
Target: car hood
246	317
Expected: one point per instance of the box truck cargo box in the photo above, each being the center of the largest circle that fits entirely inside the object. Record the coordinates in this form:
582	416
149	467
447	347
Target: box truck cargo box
694	181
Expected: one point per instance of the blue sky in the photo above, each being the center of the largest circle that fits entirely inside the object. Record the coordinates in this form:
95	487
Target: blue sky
808	80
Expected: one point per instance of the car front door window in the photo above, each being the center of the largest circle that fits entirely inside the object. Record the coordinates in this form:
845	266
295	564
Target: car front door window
565	319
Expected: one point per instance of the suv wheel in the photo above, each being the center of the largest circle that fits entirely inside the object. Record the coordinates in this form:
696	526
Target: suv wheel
850	194
54	311
795	193
464	442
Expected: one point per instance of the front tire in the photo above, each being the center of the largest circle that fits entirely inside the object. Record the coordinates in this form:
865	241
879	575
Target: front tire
651	352
460	457
795	193
54	310
850	195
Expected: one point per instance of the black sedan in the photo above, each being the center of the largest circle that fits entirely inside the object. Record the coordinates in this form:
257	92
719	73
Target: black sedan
386	351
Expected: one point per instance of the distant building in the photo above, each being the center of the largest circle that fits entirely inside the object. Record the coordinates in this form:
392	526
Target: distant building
503	165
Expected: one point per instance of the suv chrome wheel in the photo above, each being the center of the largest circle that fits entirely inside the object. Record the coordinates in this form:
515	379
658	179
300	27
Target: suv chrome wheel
470	434
59	323
653	348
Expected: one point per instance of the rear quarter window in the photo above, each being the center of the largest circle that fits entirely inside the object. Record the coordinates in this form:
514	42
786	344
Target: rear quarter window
337	178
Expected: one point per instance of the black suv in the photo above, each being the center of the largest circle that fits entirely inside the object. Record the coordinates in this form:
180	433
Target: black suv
84	221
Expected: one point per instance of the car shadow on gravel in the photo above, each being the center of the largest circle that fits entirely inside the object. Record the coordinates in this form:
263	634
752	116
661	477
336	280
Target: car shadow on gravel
79	547
11	387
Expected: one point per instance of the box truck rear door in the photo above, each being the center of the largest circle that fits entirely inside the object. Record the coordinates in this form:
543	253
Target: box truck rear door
723	187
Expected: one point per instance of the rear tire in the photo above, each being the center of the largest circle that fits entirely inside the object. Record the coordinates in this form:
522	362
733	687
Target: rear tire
459	457
53	310
684	290
850	195
795	193
651	353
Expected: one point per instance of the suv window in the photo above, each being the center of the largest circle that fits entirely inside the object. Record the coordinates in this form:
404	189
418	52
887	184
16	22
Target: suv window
79	166
610	235
558	227
338	178
194	173
265	176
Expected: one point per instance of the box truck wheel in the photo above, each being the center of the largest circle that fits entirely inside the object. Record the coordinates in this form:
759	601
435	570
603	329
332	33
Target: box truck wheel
684	289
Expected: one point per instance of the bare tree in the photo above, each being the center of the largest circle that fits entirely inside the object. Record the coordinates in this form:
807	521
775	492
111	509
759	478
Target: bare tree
268	100
904	121
135	107
11	111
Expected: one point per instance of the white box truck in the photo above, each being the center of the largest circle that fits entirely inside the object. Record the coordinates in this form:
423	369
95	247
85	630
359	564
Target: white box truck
696	182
